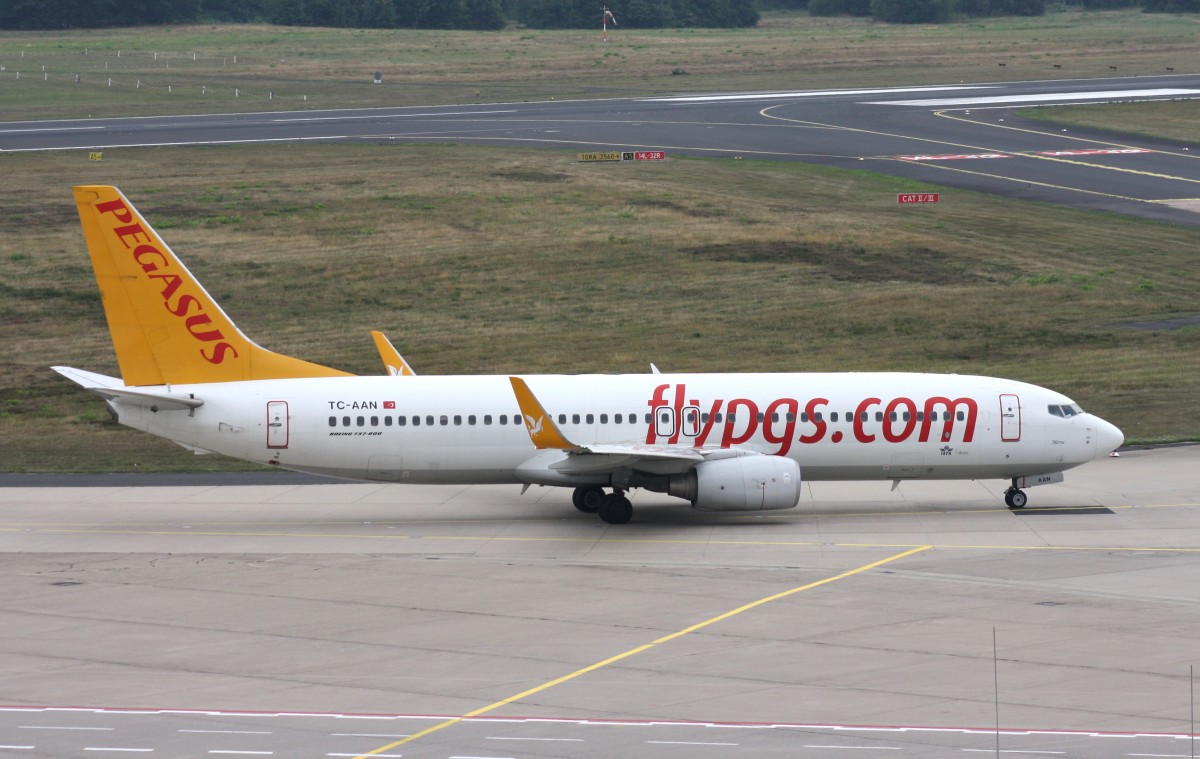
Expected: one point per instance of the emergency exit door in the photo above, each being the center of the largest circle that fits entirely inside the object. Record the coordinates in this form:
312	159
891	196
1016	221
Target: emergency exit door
277	424
1010	418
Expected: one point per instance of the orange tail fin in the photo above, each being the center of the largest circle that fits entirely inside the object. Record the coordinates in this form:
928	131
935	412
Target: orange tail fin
165	328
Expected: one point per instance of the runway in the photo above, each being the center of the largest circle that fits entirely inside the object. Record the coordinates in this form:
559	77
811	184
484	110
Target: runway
306	620
955	135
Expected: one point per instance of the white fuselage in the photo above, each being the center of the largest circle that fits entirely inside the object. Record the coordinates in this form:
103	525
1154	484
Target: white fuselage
468	429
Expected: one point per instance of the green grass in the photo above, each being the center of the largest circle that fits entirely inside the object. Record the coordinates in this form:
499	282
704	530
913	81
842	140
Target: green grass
477	260
243	68
481	260
1168	119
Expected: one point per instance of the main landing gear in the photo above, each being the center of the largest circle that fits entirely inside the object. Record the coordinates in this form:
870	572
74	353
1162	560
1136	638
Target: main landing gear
613	508
1015	498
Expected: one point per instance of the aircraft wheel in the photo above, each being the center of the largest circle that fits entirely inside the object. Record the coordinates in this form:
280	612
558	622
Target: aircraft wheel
1015	499
587	500
615	508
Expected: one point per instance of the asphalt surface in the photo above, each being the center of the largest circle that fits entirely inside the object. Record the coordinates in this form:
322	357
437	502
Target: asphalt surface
293	620
957	135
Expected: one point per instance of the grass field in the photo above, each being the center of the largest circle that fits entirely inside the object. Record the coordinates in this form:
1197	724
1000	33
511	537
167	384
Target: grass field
482	260
477	260
1169	119
242	68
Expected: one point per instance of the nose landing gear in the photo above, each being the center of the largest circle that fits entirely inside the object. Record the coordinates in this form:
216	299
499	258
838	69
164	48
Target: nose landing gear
1015	498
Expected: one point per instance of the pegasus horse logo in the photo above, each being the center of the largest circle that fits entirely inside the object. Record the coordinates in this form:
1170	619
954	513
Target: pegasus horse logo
535	427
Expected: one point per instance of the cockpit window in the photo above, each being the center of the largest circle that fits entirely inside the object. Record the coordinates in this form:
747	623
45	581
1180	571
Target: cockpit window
1065	410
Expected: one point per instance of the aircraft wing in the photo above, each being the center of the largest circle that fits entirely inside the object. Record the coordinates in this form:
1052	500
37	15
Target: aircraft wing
392	360
598	457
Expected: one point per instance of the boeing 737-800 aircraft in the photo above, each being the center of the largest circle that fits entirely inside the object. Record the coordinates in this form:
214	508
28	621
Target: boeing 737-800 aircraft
724	442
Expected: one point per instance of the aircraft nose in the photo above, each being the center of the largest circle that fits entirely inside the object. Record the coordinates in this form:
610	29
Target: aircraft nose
1108	437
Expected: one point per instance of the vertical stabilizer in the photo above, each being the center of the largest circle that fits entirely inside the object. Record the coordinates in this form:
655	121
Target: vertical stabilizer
165	327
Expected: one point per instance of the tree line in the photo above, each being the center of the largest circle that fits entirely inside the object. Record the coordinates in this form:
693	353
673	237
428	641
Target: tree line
376	14
494	14
938	11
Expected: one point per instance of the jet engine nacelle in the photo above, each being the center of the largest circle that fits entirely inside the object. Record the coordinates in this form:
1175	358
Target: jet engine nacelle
741	483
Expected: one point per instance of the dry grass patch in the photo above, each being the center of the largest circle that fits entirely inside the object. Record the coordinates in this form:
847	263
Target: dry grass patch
478	260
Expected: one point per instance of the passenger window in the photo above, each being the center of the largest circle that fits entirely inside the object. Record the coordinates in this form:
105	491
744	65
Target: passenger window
374	421
879	416
361	421
401	420
617	418
817	416
591	419
333	421
503	419
487	418
804	416
907	416
962	416
416	421
471	420
791	417
457	420
760	417
387	421
647	417
429	420
604	418
345	421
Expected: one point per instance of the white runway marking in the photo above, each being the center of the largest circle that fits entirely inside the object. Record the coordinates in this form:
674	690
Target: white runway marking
801	94
550	740
50	129
1043	98
392	116
688	743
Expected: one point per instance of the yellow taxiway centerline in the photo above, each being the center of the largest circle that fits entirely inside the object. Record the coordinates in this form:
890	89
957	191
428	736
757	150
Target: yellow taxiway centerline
639	649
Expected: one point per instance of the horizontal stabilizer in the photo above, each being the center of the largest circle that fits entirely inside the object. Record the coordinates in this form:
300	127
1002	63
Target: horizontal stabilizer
112	389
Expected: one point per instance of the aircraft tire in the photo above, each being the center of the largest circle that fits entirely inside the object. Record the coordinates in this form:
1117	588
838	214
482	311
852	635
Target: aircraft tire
615	508
1015	499
587	499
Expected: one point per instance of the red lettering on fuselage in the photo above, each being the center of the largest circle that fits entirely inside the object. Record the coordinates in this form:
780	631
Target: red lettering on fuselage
150	259
898	420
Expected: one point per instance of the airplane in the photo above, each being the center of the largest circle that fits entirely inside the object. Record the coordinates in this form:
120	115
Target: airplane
723	442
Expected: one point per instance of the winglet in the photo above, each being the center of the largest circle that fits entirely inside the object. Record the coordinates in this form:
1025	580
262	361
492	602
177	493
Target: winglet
165	327
392	360
541	427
